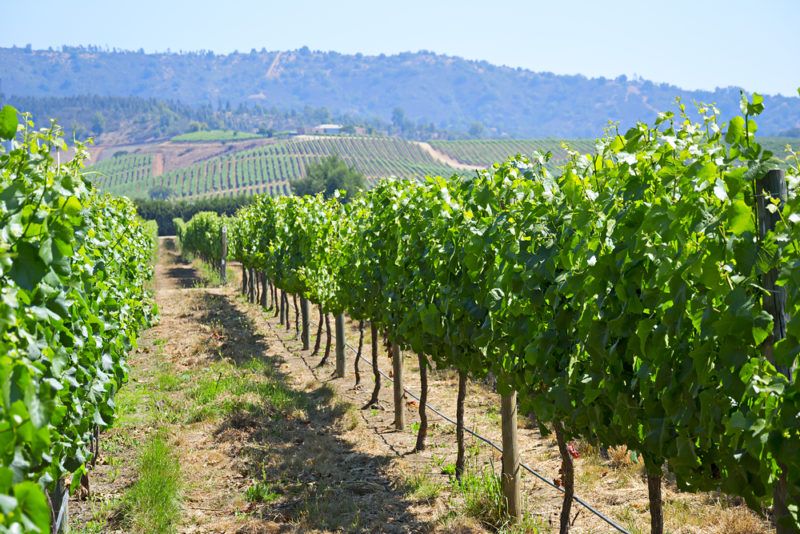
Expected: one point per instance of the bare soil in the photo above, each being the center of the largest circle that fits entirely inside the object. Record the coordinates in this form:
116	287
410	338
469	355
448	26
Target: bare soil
158	164
441	157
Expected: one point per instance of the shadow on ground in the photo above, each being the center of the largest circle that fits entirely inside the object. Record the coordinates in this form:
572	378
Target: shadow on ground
185	277
307	476
180	270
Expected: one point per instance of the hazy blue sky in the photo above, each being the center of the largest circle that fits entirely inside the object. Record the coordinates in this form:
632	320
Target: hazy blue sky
698	44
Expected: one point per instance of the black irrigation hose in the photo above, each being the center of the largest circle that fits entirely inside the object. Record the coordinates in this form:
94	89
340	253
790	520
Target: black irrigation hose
489	442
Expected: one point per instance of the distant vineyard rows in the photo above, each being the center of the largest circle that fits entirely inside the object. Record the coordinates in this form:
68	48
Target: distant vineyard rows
268	169
122	171
487	151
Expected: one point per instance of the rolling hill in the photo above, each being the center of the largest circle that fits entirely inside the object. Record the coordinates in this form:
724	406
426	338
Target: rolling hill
445	92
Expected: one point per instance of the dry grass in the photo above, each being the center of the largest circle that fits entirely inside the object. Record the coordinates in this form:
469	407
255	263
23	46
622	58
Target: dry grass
619	456
350	417
740	520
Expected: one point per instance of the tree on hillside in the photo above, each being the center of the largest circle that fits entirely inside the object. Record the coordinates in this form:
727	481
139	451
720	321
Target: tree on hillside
328	176
160	192
476	130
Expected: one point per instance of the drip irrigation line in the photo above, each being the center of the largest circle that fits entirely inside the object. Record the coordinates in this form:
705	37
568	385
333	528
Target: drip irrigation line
499	449
489	442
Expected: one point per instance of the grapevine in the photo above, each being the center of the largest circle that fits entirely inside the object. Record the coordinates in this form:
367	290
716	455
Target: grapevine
73	271
619	295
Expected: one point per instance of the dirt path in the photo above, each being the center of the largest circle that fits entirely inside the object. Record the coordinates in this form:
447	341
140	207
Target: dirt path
171	356
262	445
272	72
267	441
158	164
441	157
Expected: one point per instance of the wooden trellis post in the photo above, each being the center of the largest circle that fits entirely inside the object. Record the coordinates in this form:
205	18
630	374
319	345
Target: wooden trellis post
397	372
305	335
223	267
340	342
510	476
773	186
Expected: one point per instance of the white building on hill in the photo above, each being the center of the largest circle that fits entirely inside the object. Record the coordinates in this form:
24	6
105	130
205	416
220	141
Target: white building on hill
327	129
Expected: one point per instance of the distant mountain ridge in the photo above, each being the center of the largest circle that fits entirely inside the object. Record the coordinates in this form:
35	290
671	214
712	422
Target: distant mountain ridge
452	93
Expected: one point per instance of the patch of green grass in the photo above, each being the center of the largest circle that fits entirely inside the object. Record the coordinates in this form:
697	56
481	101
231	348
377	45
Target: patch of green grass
256	365
152	504
224	388
441	463
208	388
262	492
479	495
134	404
214	135
527	525
423	488
276	394
98	523
170	382
143	401
482	496
209	274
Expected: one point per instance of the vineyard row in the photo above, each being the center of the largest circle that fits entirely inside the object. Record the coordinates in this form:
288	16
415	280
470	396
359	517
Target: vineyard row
646	296
74	268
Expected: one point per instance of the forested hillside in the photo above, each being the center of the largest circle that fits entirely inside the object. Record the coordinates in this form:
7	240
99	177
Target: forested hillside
132	119
409	89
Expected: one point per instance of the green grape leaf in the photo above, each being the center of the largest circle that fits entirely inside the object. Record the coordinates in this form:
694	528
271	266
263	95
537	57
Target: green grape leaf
735	132
33	505
72	207
740	218
28	269
8	122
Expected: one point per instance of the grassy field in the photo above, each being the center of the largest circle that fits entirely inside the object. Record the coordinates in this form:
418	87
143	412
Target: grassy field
214	136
